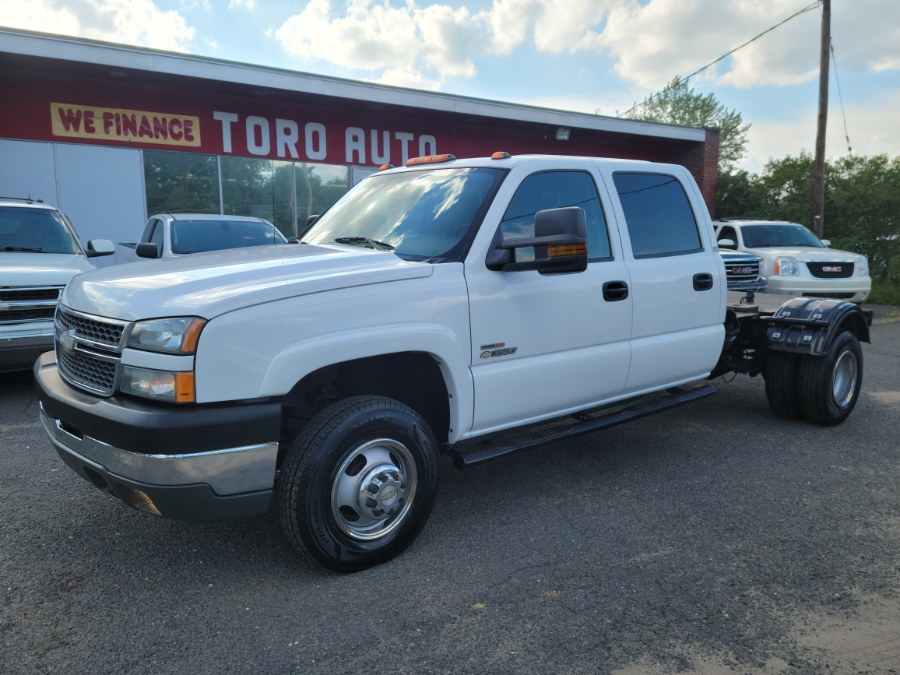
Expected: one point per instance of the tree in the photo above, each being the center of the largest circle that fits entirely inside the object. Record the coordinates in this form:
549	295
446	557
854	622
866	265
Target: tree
862	195
680	104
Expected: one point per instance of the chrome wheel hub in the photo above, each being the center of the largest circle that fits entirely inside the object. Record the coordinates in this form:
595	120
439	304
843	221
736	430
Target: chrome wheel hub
373	489
843	378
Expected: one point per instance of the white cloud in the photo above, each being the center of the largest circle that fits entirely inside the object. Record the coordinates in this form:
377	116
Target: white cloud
654	41
405	45
248	5
650	40
136	22
872	129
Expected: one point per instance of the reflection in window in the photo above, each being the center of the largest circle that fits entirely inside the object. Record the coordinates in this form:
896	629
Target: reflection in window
552	190
658	214
181	182
285	193
318	187
248	187
421	215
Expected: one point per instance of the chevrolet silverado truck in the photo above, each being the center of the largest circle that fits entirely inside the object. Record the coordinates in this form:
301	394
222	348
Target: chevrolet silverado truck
39	253
471	307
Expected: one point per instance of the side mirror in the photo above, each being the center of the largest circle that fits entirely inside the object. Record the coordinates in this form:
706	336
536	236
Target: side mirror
99	247
559	242
827	242
146	249
727	243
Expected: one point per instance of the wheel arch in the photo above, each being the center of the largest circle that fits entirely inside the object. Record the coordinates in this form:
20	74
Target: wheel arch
417	379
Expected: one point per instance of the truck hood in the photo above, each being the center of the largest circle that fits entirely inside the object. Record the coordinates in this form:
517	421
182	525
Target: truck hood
210	284
40	269
807	254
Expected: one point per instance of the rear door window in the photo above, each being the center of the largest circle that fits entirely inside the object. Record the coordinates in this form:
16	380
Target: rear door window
658	215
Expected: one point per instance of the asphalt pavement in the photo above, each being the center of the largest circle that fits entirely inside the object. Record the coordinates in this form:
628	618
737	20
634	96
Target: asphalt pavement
712	538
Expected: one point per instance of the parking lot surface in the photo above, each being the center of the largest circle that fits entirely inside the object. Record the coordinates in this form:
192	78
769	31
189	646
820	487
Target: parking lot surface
712	538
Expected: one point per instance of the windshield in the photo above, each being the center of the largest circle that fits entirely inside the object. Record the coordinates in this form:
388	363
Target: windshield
763	236
29	230
195	236
420	215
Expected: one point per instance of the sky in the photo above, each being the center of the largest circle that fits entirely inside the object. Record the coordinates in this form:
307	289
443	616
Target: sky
593	56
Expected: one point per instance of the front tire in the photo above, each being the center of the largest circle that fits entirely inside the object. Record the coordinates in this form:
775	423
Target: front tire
829	385
358	482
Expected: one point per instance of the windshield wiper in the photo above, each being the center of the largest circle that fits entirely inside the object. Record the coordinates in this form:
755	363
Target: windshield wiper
371	243
23	249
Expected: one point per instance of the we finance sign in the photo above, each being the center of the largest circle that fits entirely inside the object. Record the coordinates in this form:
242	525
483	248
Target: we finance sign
119	124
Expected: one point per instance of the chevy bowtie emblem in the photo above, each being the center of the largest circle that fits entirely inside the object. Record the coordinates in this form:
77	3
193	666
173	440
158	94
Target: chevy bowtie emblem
67	341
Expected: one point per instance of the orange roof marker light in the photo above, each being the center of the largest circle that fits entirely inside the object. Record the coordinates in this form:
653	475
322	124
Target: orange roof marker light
430	159
385	167
501	155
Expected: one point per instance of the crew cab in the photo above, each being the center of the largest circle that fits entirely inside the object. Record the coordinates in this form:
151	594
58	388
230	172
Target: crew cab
39	253
473	307
167	235
795	261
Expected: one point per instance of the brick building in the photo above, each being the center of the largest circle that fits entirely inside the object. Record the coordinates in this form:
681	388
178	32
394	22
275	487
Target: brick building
111	133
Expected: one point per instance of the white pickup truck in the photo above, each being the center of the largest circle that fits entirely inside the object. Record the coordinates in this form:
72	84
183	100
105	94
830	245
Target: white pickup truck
39	253
473	307
167	235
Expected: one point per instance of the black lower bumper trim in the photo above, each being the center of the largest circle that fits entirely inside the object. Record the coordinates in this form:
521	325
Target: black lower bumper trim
149	428
178	502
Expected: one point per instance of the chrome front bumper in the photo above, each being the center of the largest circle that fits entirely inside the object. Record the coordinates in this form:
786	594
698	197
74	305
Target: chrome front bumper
218	484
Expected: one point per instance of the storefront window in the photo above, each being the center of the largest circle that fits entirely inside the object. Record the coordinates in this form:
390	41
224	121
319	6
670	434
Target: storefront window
318	187
285	193
181	182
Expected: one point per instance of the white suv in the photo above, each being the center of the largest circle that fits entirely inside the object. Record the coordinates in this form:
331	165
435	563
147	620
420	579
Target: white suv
39	253
795	261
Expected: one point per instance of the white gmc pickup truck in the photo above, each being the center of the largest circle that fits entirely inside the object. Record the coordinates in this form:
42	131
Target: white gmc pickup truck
472	307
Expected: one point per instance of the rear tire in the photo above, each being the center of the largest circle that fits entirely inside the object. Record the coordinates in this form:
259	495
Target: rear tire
358	482
829	385
781	373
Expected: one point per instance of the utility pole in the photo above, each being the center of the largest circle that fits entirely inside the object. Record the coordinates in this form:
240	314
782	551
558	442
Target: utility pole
818	197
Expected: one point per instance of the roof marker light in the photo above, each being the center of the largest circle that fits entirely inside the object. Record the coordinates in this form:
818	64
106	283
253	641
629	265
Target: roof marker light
430	159
501	155
385	167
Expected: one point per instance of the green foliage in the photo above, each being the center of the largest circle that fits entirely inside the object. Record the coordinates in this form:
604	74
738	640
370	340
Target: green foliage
678	103
862	206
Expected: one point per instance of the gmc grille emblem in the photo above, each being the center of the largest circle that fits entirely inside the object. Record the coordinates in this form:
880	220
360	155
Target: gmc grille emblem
832	268
742	270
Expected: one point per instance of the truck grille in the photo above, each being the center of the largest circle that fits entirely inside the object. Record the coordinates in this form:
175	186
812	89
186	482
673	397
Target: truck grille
88	350
741	270
830	270
98	331
21	305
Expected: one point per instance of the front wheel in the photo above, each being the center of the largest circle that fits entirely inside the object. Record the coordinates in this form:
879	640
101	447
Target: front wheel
829	385
358	482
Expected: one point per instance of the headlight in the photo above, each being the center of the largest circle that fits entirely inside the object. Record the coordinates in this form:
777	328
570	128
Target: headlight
174	387
787	266
862	268
168	336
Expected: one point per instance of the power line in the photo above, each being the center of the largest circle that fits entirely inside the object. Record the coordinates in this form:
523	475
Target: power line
806	9
841	99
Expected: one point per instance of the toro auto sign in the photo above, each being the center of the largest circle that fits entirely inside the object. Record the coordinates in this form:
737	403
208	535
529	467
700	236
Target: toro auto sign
227	132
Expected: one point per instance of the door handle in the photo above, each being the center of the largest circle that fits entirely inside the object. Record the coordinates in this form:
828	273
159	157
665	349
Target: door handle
703	282
615	290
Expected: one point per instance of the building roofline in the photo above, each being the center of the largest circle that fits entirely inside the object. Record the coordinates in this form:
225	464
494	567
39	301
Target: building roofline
95	52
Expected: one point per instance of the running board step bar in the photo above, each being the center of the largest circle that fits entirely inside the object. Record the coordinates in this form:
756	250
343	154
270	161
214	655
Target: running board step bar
467	454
